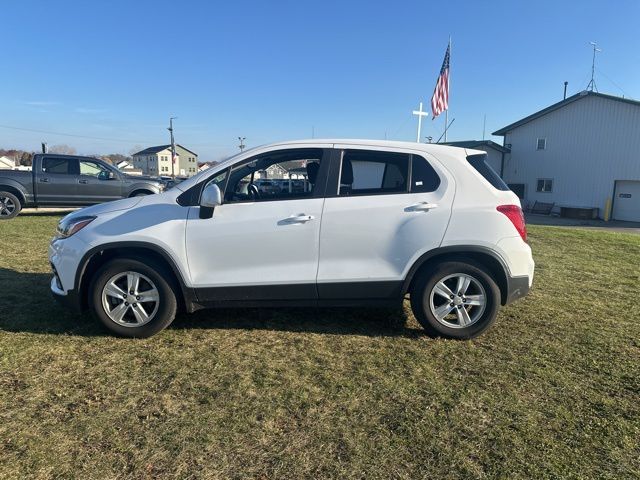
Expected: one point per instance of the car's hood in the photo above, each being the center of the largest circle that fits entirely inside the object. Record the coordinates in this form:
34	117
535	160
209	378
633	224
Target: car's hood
124	204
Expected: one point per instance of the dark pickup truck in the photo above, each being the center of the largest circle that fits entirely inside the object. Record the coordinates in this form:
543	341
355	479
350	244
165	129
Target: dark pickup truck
68	181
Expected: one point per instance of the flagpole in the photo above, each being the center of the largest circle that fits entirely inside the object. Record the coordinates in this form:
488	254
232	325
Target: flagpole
446	112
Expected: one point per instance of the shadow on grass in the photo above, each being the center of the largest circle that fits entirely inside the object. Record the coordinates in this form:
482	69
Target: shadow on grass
26	305
58	212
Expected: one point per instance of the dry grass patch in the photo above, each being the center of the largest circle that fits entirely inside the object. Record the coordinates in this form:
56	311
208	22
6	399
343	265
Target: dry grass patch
552	391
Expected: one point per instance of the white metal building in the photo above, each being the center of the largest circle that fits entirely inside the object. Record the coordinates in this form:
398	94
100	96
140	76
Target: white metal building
581	152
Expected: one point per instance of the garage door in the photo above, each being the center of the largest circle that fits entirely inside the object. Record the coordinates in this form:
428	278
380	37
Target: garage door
626	205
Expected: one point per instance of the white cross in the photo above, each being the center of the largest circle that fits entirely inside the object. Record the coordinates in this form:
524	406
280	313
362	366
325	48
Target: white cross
420	114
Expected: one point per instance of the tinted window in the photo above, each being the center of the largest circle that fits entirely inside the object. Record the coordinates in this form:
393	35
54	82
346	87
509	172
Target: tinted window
365	172
479	162
423	177
57	165
284	175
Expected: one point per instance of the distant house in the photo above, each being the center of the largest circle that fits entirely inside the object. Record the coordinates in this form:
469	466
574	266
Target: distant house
206	165
7	163
581	152
157	161
496	154
128	168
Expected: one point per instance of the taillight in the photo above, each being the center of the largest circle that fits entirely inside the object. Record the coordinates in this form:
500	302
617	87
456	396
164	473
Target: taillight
514	213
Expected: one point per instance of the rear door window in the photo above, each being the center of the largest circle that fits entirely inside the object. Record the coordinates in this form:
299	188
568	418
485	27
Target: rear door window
423	177
60	165
366	172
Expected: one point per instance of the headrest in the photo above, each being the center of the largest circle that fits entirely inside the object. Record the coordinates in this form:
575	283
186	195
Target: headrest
346	177
312	171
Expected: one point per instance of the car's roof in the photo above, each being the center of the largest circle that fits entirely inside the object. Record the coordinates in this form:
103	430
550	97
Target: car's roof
427	147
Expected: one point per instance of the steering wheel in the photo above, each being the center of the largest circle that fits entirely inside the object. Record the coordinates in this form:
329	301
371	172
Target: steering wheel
253	191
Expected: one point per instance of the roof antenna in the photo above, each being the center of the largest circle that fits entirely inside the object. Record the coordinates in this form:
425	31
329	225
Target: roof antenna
592	84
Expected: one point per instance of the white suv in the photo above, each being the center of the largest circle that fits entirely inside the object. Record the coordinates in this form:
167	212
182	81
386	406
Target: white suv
367	223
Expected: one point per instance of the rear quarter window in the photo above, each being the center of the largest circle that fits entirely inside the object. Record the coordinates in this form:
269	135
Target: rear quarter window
479	162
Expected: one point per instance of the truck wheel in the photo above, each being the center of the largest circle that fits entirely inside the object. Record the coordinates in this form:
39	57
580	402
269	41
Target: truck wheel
10	205
131	298
455	300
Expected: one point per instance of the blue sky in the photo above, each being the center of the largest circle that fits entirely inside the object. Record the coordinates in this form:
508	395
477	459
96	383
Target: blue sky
275	70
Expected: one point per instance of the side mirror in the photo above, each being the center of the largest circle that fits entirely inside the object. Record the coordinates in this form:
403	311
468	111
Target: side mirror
106	175
210	199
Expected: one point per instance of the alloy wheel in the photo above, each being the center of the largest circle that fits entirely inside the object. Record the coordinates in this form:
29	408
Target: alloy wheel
130	299
458	300
7	206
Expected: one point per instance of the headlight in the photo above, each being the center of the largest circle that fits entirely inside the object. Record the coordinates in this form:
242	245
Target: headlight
69	226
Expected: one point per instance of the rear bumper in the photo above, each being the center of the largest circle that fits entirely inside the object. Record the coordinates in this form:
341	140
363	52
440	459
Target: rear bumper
517	287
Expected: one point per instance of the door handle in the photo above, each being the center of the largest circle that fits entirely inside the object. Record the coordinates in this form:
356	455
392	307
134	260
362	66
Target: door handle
421	207
300	218
83	181
44	180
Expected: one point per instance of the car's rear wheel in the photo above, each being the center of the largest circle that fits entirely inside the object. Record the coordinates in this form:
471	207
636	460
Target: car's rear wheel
9	205
133	299
455	300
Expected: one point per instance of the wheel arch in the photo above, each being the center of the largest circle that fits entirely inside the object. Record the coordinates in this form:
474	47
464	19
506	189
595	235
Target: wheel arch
6	187
98	256
476	254
139	191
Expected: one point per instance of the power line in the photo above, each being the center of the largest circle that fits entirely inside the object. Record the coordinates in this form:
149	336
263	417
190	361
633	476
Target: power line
46	132
106	139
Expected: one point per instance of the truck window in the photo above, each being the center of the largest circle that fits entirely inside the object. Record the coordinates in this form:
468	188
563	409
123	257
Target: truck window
58	165
91	168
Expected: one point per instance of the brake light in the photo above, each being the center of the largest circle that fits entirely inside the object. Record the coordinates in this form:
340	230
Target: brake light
514	213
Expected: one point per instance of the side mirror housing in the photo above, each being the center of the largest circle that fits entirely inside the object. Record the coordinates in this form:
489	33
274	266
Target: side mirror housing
210	199
106	175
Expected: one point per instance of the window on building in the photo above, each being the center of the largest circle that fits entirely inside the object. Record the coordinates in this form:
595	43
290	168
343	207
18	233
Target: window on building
544	185
541	144
367	172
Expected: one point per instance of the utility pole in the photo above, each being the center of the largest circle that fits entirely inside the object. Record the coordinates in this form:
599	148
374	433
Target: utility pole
484	126
173	147
44	147
242	145
592	84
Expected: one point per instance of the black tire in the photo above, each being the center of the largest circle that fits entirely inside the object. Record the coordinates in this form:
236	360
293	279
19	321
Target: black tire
421	292
166	306
10	206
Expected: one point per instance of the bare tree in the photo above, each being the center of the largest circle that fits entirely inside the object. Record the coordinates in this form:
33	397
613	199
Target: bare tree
25	159
136	149
62	149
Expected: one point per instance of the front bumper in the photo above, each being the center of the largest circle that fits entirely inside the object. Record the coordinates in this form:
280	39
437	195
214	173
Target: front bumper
69	299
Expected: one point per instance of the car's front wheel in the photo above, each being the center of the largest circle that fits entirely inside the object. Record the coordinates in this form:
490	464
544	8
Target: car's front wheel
131	298
455	300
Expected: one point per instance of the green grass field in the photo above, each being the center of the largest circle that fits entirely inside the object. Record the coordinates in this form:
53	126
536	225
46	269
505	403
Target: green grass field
552	391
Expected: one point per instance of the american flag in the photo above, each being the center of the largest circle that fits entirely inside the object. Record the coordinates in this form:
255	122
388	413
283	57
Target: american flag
440	99
175	157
